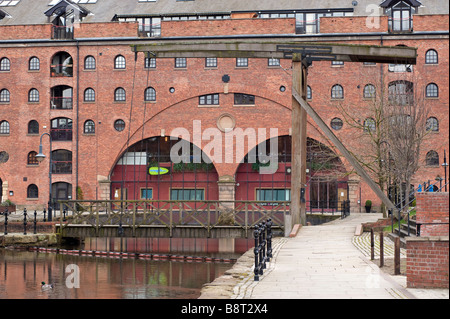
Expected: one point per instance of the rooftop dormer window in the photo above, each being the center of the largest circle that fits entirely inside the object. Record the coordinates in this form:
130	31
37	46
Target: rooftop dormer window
400	14
63	15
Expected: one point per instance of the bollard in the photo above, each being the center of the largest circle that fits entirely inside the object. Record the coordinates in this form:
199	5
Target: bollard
381	249
6	222
35	223
24	221
44	215
256	251
372	245
64	215
269	239
263	245
397	256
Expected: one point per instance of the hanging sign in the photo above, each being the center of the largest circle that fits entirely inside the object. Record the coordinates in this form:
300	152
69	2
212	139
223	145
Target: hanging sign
158	170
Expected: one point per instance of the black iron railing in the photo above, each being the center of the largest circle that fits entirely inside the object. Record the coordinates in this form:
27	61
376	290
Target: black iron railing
263	247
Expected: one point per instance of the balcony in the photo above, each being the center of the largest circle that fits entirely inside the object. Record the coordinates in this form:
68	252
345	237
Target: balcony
61	162
61	103
61	98
62	65
61	134
62	32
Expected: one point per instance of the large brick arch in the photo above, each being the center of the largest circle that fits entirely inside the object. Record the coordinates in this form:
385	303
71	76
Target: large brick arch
265	114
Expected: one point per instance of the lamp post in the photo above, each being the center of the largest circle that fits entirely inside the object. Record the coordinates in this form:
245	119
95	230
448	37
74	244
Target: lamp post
40	157
445	164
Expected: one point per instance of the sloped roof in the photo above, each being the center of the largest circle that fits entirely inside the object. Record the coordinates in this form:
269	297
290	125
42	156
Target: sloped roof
390	3
62	5
33	11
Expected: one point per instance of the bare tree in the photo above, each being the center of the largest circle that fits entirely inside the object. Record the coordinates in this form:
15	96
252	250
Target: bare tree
390	124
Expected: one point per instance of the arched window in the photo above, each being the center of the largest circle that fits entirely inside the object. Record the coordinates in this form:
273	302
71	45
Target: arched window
31	158
34	64
89	63
4	127
431	57
401	92
89	95
432	158
33	127
119	95
432	124
5	64
150	94
5	96
89	127
432	90
32	191
33	95
119	62
369	91
337	92
369	125
308	93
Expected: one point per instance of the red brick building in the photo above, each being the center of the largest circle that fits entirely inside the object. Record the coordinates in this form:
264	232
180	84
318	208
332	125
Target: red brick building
67	68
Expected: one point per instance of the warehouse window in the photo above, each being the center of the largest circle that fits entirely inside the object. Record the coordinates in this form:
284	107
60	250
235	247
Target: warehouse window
431	57
4	128
5	96
210	99
31	158
5	64
119	95
89	127
432	158
33	127
150	94
337	92
89	63
32	191
120	62
432	90
34	64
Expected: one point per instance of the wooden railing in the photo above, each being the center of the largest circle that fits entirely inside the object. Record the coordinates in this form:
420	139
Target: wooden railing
244	215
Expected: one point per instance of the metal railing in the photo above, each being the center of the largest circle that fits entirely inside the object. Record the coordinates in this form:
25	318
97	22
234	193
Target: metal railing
423	187
263	247
208	215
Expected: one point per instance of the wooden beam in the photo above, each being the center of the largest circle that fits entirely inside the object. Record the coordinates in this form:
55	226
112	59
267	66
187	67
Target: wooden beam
281	49
359	169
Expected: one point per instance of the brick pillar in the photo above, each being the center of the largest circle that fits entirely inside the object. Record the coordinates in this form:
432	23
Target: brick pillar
227	190
104	189
353	193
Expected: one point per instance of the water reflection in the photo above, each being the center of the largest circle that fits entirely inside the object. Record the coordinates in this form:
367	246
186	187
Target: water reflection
21	274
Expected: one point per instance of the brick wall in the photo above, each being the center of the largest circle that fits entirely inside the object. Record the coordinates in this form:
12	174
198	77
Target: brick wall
106	30
371	24
17	32
427	262
227	27
433	213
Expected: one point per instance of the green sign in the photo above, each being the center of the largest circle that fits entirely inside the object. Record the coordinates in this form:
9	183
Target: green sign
158	170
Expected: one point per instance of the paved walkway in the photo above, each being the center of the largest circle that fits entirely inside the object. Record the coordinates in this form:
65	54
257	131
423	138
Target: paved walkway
325	262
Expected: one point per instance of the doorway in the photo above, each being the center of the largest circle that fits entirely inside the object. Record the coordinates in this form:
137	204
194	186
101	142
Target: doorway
61	191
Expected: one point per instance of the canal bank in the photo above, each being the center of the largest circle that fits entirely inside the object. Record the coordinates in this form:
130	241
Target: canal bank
20	240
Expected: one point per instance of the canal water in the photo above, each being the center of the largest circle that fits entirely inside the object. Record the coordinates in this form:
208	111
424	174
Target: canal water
77	276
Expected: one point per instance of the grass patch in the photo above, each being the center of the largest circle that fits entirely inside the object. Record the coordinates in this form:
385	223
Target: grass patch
403	221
